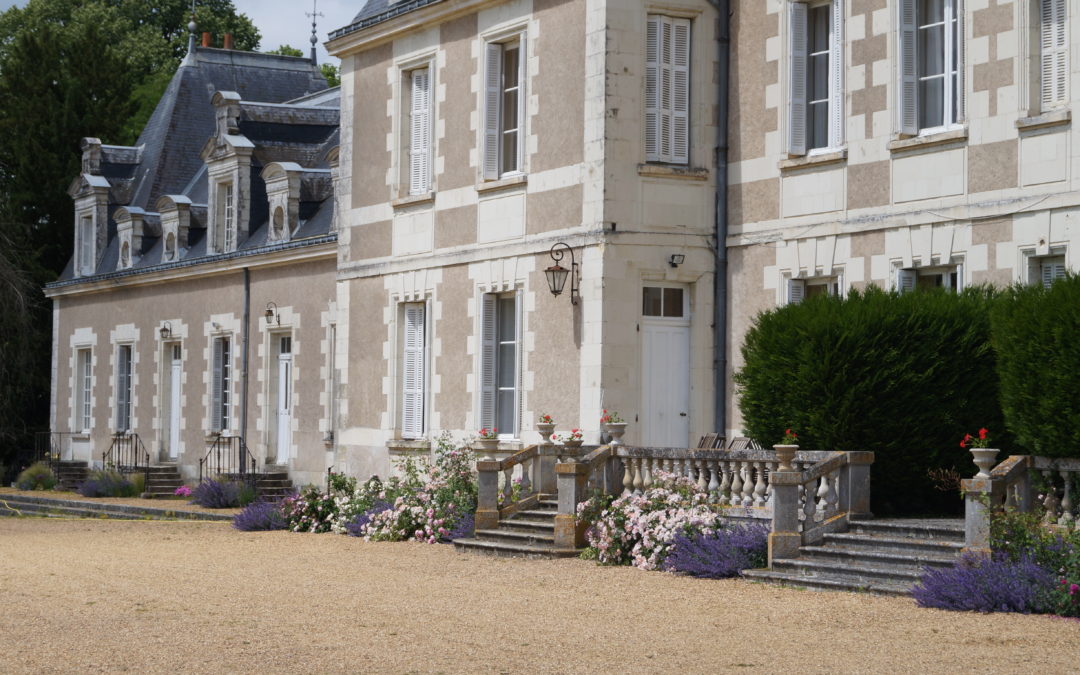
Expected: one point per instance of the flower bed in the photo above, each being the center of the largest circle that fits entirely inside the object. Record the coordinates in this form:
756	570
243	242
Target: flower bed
671	526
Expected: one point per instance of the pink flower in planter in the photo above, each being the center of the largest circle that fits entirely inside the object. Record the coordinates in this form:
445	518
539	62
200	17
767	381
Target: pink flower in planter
183	491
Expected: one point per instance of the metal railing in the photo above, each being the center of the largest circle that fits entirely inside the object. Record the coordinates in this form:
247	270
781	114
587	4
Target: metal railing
228	456
126	454
51	446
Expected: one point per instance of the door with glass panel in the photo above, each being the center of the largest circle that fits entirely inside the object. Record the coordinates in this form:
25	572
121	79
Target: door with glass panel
665	370
284	399
176	370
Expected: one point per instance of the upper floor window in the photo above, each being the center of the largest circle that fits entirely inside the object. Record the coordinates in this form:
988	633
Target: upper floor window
667	89
816	100
504	109
922	278
1046	269
419	81
87	261
801	289
225	230
931	64
1053	54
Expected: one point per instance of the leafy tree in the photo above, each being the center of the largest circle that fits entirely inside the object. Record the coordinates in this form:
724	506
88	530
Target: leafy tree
286	50
331	73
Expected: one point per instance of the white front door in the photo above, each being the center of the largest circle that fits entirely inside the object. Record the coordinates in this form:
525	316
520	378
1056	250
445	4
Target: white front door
284	402
665	372
175	373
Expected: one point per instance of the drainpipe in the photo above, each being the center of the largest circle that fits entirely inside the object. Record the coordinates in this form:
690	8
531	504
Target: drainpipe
244	336
720	286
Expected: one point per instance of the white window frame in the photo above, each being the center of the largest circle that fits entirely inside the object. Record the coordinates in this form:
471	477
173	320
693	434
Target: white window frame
684	316
87	245
953	94
796	288
1053	54
124	390
221	376
491	365
1046	268
225	225
495	123
413	371
668	45
799	73
84	384
906	279
419	87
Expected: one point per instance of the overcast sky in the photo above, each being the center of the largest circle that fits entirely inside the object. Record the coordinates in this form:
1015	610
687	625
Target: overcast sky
284	22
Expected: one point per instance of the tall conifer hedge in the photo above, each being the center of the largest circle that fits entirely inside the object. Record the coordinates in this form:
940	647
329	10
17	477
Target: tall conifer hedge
904	376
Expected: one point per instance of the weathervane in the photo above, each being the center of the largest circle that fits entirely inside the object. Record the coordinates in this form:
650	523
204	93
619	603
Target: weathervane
314	14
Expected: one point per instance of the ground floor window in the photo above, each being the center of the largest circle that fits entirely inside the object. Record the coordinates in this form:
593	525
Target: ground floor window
83	385
220	379
500	391
123	388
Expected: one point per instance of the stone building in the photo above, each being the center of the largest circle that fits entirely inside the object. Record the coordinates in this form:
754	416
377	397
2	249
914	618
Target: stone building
478	136
199	303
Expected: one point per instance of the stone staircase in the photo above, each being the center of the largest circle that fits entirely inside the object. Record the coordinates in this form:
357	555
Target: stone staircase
877	556
529	532
23	505
162	481
71	474
274	483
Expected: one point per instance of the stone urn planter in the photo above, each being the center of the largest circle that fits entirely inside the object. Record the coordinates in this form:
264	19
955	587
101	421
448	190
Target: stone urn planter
546	430
616	430
570	450
984	459
486	446
785	453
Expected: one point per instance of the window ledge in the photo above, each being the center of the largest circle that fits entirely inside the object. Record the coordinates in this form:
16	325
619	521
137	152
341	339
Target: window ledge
929	141
673	171
502	183
807	161
413	200
1054	118
80	436
404	446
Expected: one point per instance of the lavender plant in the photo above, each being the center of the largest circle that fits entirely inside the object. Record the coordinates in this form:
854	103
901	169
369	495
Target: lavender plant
37	476
261	516
108	484
724	553
222	494
982	584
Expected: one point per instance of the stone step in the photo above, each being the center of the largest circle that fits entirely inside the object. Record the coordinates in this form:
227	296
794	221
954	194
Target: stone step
526	525
501	548
102	510
536	514
516	536
8	508
274	483
934	529
844	571
826	584
870	556
887	543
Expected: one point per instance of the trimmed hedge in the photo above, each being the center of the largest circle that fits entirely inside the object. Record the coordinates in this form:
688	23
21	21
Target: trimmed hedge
904	376
1036	334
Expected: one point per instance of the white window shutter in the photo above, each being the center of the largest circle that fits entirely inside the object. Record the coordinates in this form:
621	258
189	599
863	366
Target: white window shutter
797	48
487	360
908	109
86	246
1051	270
836	75
519	399
959	277
652	89
492	109
523	66
413	368
419	132
796	291
1053	53
905	280
215	384
961	96
680	90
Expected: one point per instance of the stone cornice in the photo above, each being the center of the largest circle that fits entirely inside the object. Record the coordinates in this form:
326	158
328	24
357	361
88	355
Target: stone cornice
317	248
390	28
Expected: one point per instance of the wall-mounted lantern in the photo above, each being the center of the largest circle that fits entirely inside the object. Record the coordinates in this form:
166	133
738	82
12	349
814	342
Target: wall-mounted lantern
165	331
556	274
272	315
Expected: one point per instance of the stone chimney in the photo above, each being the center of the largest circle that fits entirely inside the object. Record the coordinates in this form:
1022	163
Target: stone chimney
228	41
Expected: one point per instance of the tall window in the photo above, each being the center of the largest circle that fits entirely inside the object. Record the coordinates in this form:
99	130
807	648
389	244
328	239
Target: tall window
87	260
225	228
816	101
420	131
83	385
413	369
123	388
667	89
1053	54
503	107
500	395
220	397
923	278
931	64
801	289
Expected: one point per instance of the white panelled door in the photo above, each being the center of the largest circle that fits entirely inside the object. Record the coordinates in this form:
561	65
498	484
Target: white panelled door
665	372
284	402
176	370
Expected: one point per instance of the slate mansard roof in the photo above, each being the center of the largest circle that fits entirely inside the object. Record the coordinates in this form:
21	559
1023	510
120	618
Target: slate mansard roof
287	112
377	11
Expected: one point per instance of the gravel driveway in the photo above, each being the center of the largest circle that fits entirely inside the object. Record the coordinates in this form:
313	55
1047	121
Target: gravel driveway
105	596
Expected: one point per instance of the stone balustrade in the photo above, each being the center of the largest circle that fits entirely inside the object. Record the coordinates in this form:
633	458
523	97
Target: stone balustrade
1020	482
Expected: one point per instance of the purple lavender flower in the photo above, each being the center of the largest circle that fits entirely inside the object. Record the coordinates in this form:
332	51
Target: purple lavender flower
261	516
355	527
980	584
724	553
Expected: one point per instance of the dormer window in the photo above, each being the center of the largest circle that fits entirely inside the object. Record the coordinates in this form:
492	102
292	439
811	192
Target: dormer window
86	246
125	255
170	247
279	223
225	233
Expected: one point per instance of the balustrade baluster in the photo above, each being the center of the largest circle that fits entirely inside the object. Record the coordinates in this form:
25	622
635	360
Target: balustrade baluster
508	485
688	469
725	485
526	481
736	484
1051	501
714	468
770	467
809	502
1066	499
759	485
702	475
832	498
639	478
747	471
628	476
647	479
822	495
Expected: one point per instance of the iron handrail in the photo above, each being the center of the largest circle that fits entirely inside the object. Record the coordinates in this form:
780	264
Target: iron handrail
228	456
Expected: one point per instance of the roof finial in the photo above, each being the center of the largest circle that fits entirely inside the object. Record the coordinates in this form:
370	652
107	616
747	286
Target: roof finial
191	30
314	14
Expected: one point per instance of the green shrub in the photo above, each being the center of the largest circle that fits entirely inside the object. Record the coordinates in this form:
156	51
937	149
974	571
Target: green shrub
36	477
1035	333
109	483
904	376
